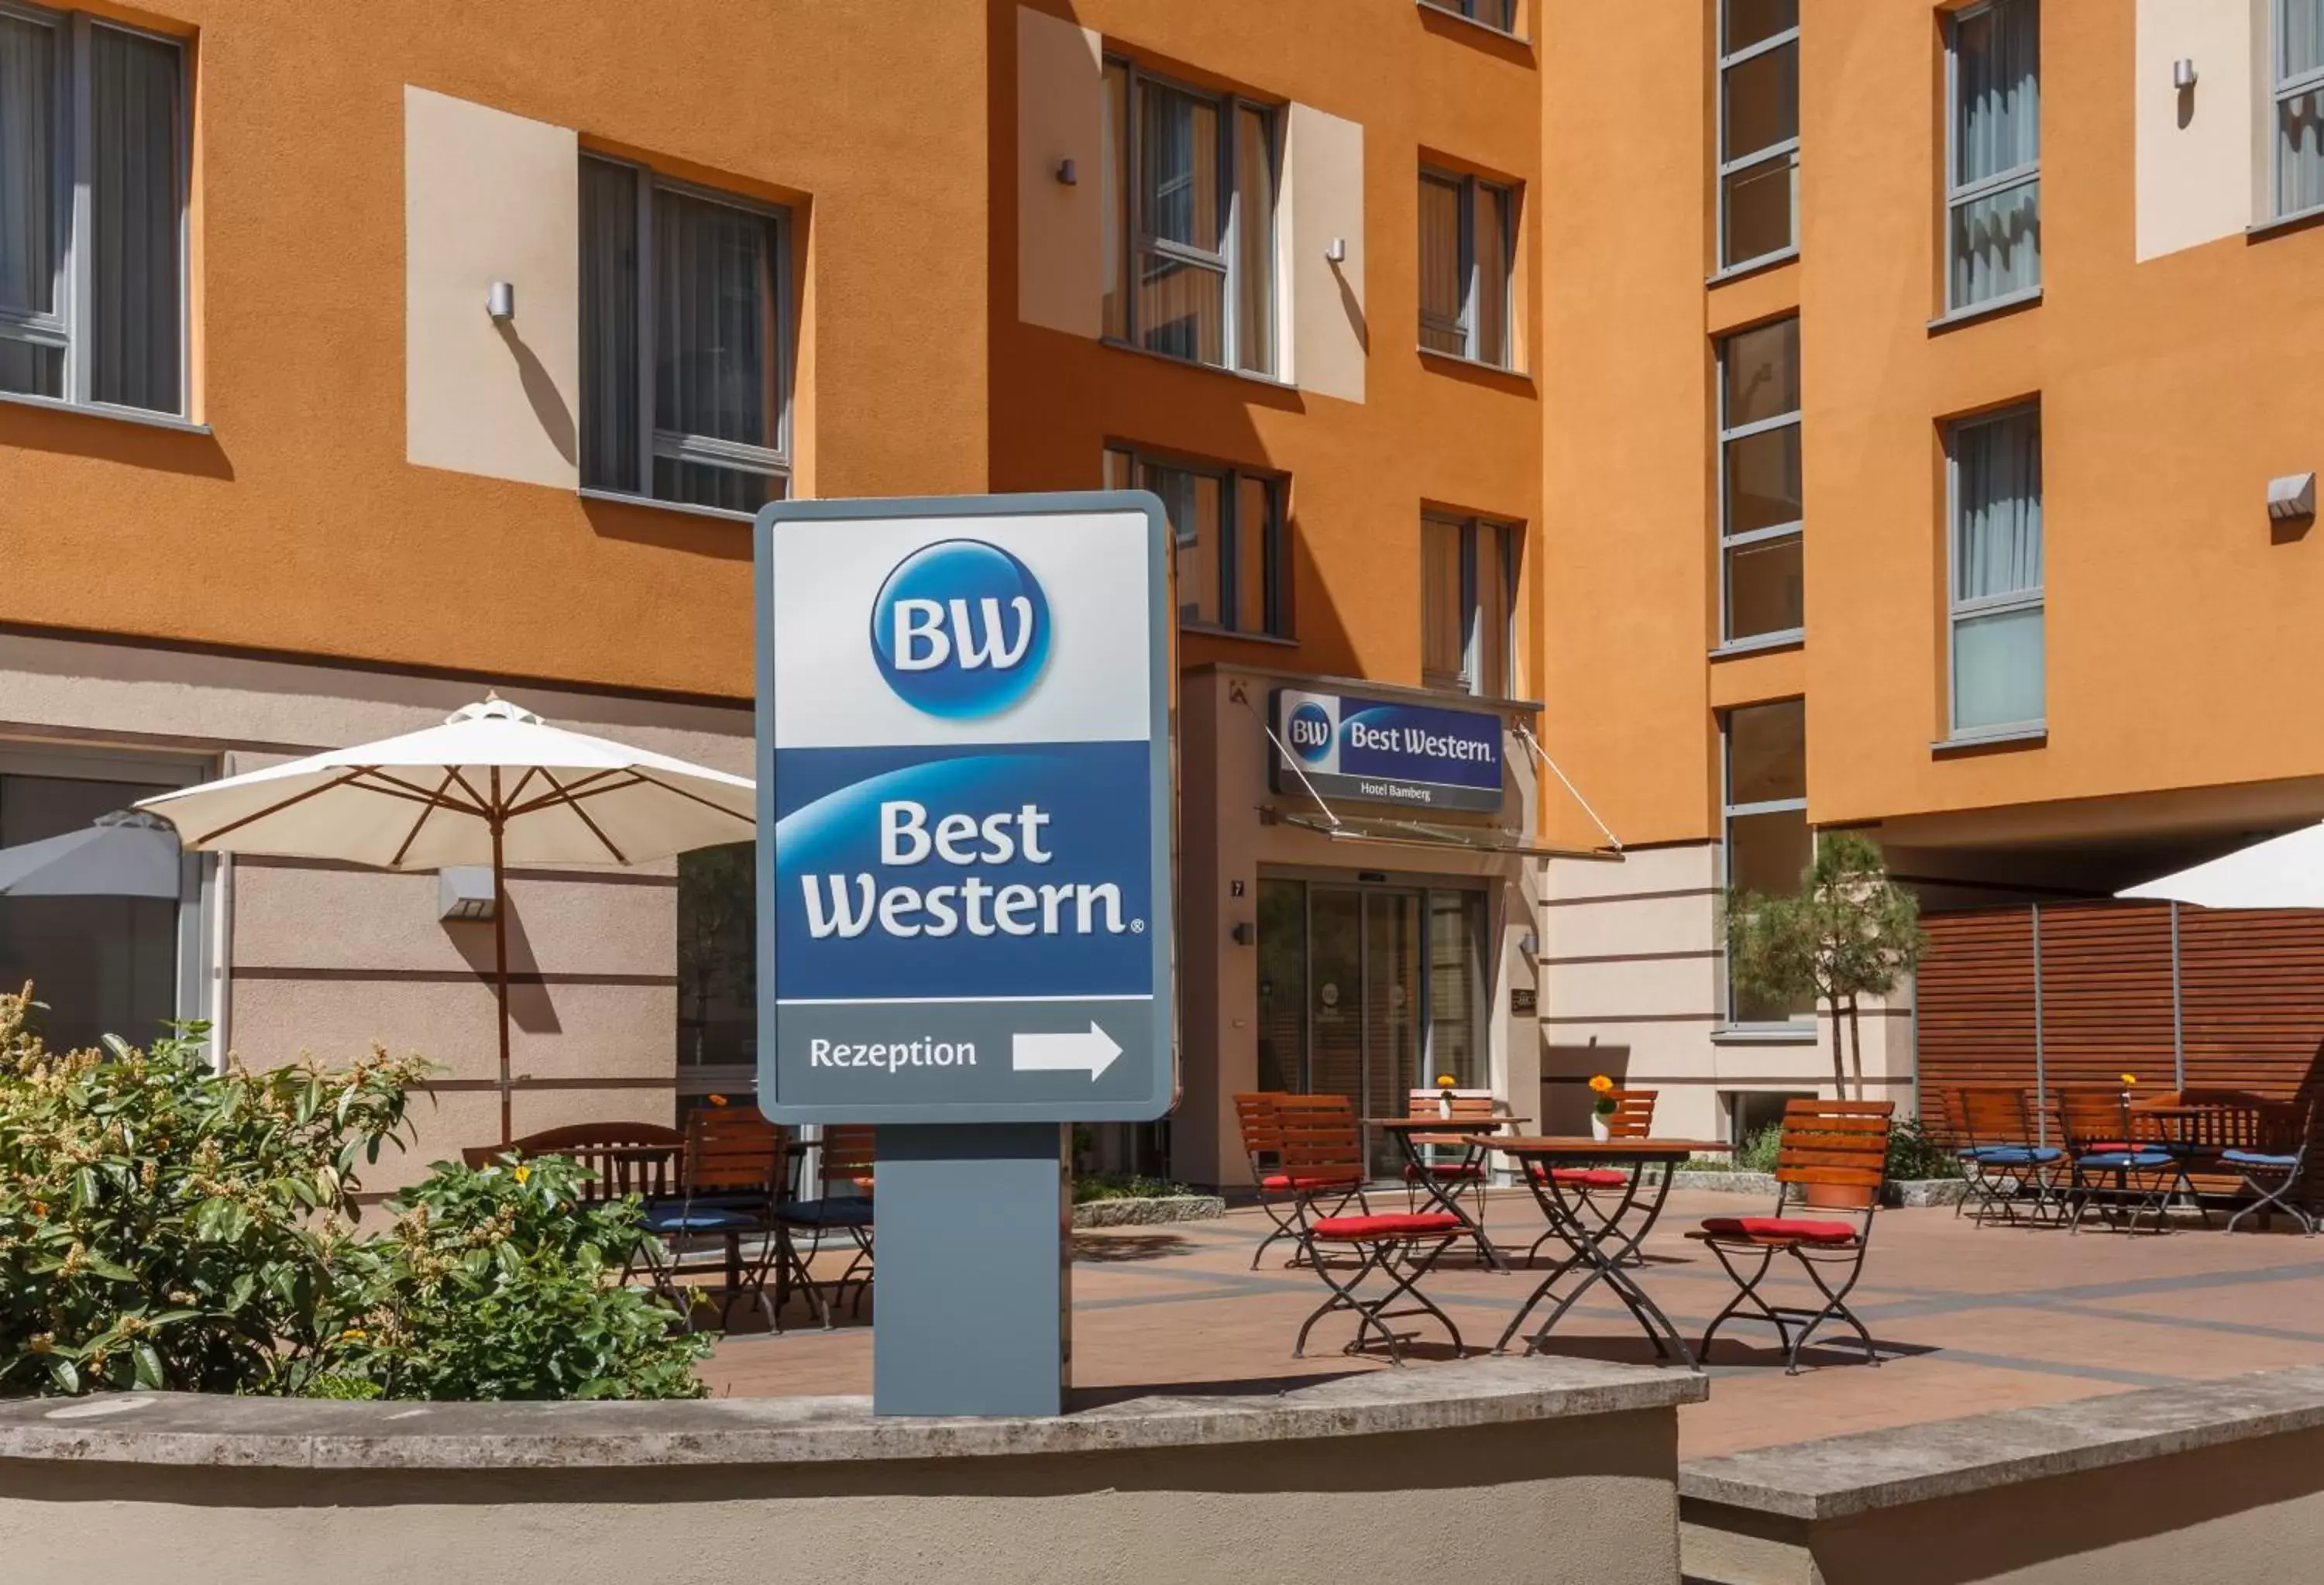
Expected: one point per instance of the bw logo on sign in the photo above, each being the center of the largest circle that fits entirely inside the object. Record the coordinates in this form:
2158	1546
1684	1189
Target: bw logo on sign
960	629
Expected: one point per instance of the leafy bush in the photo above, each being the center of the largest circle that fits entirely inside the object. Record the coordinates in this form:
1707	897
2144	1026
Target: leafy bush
1915	1153
163	1225
1114	1185
499	1283
1761	1150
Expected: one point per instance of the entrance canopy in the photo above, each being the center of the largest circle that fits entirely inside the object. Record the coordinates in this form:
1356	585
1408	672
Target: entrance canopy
1359	828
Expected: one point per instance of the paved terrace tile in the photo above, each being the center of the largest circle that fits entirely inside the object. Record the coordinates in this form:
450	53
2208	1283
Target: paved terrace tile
1970	1319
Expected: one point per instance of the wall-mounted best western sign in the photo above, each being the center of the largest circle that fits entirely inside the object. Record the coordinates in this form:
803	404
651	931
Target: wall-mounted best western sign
1421	756
965	810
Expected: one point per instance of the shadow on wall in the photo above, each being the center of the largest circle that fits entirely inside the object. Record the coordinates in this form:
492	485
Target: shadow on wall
540	390
1565	1075
530	1005
106	439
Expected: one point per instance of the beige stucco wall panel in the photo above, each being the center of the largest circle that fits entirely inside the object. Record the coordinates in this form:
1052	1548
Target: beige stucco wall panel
1638	925
2195	150
1323	197
1061	243
300	917
491	197
535	1110
1685	867
557	1031
1630	988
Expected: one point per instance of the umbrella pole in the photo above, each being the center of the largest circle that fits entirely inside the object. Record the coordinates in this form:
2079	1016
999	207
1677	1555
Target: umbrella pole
500	956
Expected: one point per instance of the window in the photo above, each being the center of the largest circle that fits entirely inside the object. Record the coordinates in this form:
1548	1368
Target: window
1468	233
1189	255
1996	573
717	969
2299	106
1758	130
1993	202
1768	843
1468	583
1498	14
684	395
92	213
1229	527
1762	591
110	932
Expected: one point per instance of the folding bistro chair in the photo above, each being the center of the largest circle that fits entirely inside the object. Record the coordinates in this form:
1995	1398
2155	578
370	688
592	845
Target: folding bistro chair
2099	1145
1832	1159
1291	1196
1461	1169
1604	1192
2276	1166
1323	1141
2004	1162
848	1153
732	1179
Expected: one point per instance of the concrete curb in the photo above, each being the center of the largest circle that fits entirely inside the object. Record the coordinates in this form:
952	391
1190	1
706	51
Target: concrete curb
1148	1213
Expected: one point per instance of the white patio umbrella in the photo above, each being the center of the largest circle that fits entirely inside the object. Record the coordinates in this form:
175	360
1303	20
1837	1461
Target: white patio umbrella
493	785
2284	871
122	855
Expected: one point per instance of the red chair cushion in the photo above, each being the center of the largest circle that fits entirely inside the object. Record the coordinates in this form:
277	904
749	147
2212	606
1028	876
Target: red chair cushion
1358	1229
1302	1181
1447	1169
1786	1229
1589	1177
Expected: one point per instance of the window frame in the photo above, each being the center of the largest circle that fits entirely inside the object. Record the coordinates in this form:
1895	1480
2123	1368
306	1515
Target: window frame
656	443
1959	197
2282	89
1729	811
1275	597
1468	186
1958	611
1137	240
1726	162
1508	536
1728	542
1467	11
69	327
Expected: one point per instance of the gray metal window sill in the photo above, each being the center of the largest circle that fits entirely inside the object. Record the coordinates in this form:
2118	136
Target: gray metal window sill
1174	361
1763	1035
1469	362
1985	309
2030	736
93	409
624	498
1213	630
1760	643
1720	277
2299	220
1483	27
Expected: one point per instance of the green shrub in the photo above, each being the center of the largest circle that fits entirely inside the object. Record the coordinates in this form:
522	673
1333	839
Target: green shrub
1115	1185
1761	1150
166	1226
499	1283
1915	1153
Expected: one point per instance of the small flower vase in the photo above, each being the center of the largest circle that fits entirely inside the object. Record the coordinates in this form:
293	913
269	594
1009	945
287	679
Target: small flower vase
1597	1125
1444	1106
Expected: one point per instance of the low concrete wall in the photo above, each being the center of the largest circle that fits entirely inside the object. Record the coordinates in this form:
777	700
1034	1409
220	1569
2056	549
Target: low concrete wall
1551	1471
1150	1212
2223	1481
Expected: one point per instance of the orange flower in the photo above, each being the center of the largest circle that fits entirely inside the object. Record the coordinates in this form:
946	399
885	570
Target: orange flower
1445	1081
715	1100
1601	1084
2130	1078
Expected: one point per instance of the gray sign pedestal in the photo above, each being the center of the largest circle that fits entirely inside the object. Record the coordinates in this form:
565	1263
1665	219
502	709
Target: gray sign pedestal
974	1305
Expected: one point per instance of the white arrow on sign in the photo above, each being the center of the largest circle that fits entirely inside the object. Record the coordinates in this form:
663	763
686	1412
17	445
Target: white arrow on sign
1094	1051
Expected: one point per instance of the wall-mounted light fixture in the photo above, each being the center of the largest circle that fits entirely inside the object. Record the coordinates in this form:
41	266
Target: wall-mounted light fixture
499	300
1245	933
2292	497
1336	250
1068	174
2182	74
464	892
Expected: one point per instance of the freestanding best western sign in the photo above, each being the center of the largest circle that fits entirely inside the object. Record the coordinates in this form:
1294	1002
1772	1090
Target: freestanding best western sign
1422	756
964	766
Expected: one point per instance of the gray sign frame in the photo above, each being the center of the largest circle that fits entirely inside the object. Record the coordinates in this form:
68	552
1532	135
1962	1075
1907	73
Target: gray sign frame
1148	1039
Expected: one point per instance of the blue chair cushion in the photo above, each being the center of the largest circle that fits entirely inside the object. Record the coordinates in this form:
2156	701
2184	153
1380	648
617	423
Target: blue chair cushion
2253	1158
837	1210
2013	1155
696	1218
2126	1160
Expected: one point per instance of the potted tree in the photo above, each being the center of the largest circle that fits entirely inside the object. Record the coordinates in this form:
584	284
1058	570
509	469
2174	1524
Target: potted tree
1849	933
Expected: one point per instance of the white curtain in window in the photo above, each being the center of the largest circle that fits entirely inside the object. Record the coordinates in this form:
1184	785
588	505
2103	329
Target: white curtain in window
609	327
1997	541
1181	305
135	273
1997	242
2299	117
28	231
2300	34
716	360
